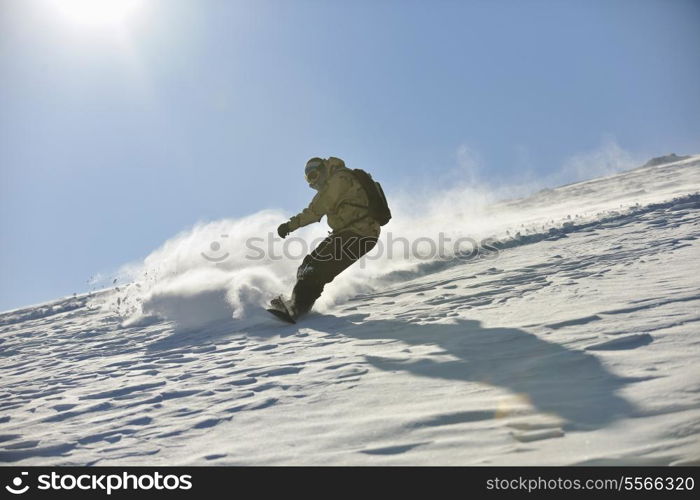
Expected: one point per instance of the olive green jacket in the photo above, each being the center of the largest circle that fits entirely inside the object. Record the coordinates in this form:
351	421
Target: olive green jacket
342	200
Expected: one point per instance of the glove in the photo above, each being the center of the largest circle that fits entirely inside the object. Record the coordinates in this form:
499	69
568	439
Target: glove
283	230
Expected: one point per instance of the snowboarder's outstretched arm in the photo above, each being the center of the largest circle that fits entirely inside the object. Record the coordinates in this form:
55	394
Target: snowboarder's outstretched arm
324	202
313	213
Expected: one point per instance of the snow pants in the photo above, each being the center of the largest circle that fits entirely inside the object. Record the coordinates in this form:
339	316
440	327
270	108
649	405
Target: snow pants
331	257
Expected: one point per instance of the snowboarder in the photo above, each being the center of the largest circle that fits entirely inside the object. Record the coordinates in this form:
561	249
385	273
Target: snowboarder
355	208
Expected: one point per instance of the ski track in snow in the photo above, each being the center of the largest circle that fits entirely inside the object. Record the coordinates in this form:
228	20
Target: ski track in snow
577	347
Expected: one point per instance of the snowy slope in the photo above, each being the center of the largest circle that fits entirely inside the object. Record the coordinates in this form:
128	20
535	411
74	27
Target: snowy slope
578	344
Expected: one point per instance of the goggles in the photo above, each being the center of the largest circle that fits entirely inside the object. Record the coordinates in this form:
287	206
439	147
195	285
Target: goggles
313	171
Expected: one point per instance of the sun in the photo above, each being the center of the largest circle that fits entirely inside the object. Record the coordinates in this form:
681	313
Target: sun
97	13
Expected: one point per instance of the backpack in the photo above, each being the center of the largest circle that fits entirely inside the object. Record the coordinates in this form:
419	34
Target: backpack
378	206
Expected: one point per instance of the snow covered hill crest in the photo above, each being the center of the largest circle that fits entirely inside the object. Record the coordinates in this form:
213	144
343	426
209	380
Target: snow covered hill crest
574	342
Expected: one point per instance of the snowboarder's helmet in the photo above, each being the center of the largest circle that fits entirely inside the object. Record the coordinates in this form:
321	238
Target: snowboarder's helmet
314	172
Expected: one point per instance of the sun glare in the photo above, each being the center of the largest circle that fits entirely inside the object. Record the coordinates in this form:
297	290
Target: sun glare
97	13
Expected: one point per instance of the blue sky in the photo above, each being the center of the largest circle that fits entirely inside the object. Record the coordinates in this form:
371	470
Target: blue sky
113	138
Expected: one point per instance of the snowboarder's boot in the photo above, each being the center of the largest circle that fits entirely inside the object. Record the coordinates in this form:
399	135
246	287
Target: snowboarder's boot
282	309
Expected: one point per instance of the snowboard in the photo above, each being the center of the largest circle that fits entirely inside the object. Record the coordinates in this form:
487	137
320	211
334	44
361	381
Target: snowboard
281	309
